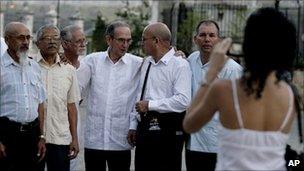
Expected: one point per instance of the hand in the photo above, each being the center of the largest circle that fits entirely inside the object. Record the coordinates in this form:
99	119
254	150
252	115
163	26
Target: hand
179	53
74	149
218	55
41	149
2	151
142	106
63	58
218	58
132	137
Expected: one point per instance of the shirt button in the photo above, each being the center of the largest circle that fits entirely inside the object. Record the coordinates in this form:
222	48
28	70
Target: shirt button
26	108
25	95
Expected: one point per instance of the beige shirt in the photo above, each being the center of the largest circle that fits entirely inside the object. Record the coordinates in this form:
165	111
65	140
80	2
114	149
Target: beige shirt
61	88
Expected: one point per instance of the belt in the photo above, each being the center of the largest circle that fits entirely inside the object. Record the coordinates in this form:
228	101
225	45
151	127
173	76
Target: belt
19	126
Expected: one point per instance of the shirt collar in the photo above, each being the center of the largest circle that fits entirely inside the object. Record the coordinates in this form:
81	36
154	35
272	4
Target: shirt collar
166	58
40	59
124	58
8	60
199	61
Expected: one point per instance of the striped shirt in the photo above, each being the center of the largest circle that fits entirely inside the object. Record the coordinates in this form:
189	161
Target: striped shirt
21	89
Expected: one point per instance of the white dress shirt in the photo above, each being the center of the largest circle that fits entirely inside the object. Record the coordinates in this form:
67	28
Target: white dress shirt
62	88
112	89
168	87
3	47
205	140
21	89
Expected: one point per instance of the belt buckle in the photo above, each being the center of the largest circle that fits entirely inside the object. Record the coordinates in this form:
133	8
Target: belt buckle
22	129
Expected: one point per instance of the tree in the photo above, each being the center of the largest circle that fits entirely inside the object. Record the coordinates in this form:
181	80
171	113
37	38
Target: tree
98	40
185	32
137	18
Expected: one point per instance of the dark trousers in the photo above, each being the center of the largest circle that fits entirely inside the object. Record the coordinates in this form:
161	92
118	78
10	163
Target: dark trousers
196	161
56	158
96	160
20	146
158	151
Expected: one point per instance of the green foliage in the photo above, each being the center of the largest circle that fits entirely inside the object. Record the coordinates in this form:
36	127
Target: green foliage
137	18
98	40
186	31
299	62
237	25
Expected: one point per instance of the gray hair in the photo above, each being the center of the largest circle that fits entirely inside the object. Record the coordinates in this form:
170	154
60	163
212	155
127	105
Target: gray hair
66	32
41	29
10	28
112	26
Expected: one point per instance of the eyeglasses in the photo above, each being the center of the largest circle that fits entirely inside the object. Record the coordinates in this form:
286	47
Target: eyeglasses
22	37
80	42
48	39
123	41
144	39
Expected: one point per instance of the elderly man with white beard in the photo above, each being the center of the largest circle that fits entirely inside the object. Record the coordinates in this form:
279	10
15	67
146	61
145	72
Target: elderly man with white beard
22	142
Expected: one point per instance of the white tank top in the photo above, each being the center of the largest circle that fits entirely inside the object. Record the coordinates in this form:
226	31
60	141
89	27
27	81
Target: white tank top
245	149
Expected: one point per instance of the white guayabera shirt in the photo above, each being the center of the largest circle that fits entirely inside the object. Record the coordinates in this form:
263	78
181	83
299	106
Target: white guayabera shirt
111	90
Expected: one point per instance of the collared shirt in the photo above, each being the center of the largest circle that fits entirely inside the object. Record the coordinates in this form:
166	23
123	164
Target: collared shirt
205	140
112	88
168	87
62	88
21	89
3	47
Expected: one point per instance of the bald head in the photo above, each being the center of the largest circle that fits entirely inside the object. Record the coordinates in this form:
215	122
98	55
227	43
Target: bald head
159	30
14	28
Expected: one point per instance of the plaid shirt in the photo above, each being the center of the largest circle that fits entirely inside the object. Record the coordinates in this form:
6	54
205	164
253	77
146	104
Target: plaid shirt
21	89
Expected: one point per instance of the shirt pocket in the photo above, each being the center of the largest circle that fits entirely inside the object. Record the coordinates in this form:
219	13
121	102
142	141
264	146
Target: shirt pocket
34	87
61	87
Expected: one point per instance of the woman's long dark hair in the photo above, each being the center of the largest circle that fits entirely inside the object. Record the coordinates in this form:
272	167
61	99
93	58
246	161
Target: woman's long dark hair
269	45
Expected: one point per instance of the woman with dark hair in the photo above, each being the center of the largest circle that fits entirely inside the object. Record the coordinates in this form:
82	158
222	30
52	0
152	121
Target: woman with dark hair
257	110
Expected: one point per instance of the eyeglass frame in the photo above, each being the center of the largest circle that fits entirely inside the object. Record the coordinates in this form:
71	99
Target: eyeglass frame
22	37
122	40
78	42
145	39
48	39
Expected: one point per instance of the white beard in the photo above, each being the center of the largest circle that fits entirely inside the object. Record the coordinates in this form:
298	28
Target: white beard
22	57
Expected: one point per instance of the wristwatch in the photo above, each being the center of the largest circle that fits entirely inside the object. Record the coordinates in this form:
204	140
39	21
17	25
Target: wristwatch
41	136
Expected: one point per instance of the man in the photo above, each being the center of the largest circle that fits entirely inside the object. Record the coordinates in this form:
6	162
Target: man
202	146
74	45
112	79
3	47
166	93
22	142
62	94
